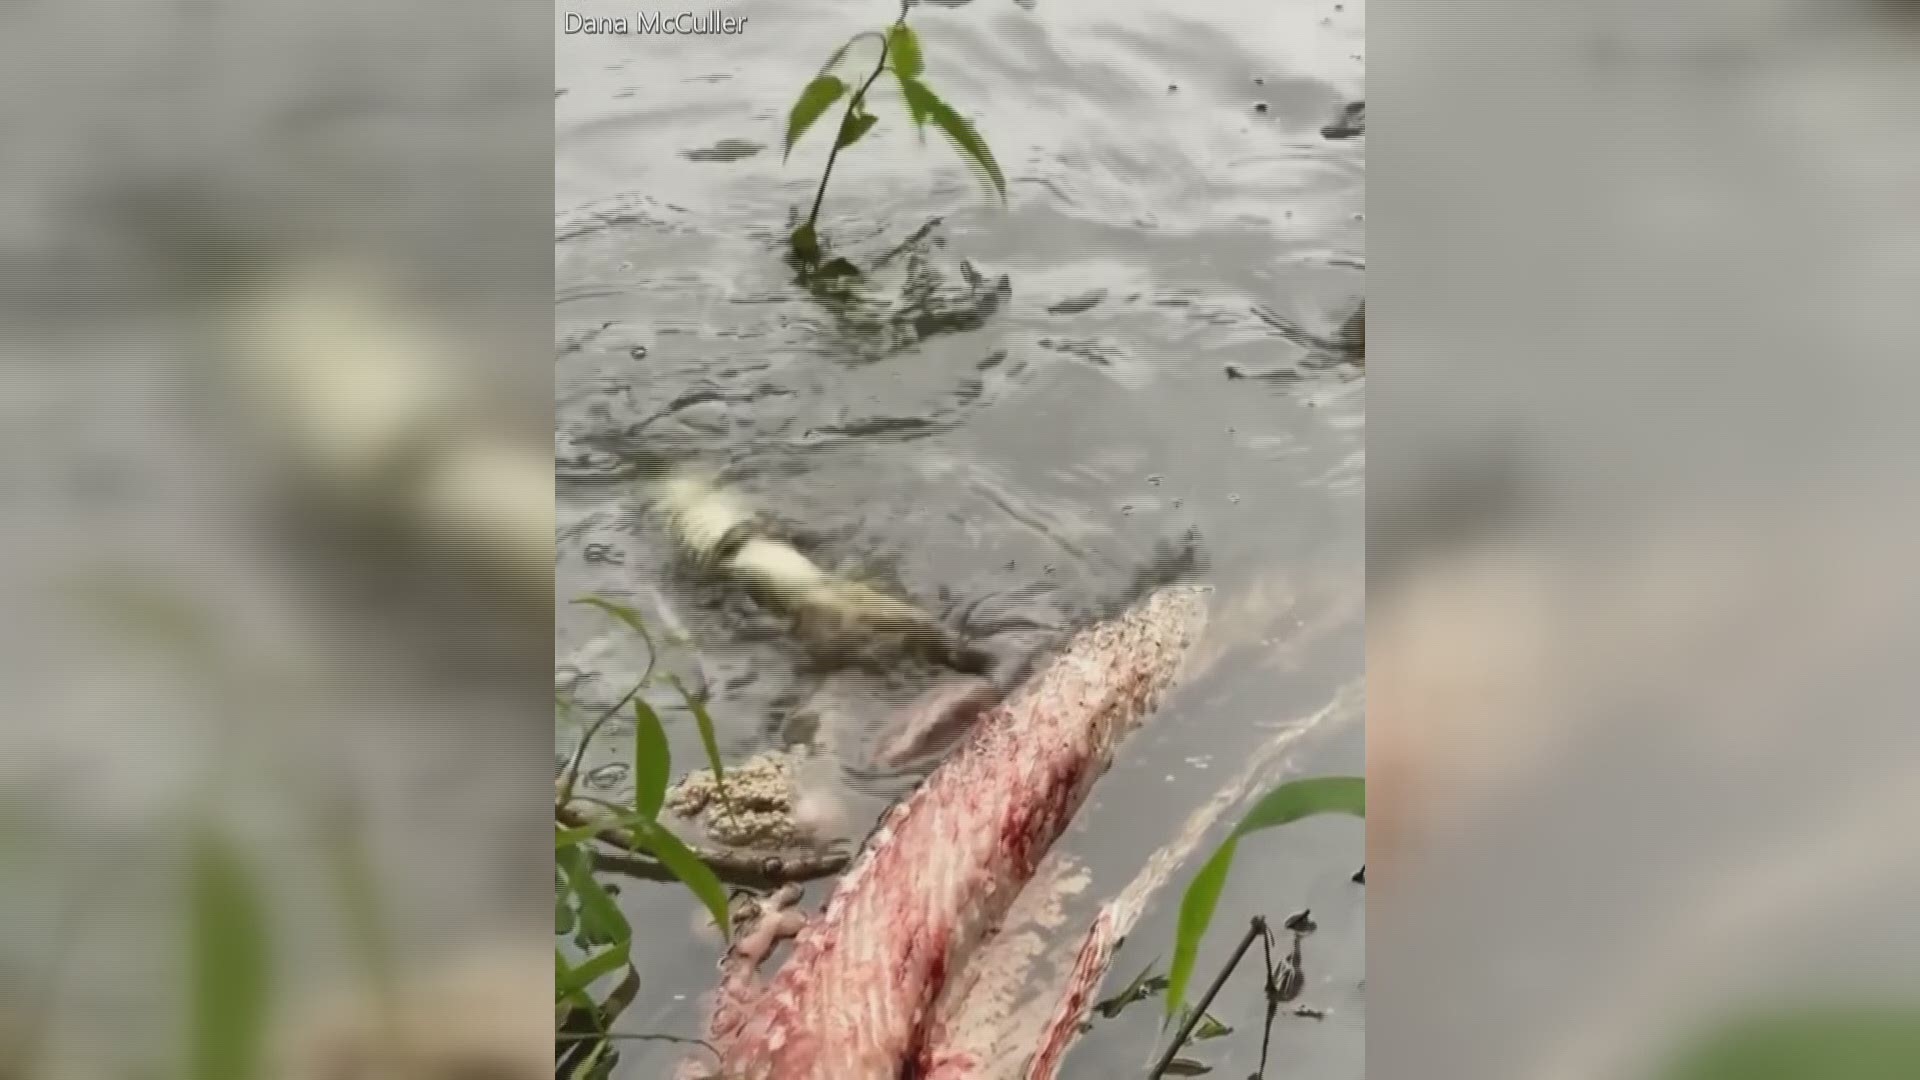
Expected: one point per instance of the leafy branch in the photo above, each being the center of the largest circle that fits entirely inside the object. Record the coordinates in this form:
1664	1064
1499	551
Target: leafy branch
584	909
900	54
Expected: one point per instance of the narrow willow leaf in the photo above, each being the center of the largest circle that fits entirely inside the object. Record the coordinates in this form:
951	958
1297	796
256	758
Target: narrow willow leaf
813	103
622	612
229	965
1306	798
925	105
1196	911
1184	1066
914	96
566	838
652	761
563	917
591	1063
563	974
840	53
709	740
854	126
903	52
601	921
686	866
575	980
580	834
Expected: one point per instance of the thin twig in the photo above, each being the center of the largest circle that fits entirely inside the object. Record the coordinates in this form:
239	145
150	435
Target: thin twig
1273	1006
636	1036
1257	928
740	868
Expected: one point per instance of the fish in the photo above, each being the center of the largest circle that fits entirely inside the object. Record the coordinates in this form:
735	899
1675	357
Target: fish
856	997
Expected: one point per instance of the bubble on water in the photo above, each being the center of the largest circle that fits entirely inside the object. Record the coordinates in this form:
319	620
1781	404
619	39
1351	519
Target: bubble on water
1127	510
638	352
1233	497
1178	503
1154	479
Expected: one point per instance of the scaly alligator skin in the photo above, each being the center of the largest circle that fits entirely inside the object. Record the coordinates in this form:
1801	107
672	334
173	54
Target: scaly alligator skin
855	999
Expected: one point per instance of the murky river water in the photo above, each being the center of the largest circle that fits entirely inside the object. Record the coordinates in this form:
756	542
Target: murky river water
1013	411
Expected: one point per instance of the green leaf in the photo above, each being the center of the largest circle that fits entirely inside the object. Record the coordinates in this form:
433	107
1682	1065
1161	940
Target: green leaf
563	916
840	53
854	126
1306	798
622	612
806	244
593	1060
914	100
708	739
573	982
652	761
925	106
580	834
686	866
1196	911
813	103
1284	804
601	920
228	956
562	975
903	52
574	837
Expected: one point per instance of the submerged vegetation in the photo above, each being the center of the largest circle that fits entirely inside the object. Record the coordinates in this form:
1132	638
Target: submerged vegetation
902	57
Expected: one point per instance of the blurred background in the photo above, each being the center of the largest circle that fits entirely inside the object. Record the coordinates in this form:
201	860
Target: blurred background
1640	588
274	312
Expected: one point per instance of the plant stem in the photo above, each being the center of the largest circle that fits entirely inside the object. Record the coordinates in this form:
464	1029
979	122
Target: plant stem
571	776
1273	1007
855	102
1256	929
